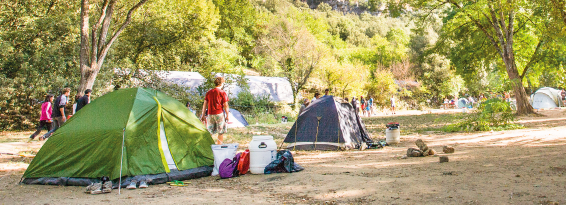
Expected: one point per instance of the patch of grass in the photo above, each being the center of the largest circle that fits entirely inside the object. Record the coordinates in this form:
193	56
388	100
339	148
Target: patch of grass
6	137
414	123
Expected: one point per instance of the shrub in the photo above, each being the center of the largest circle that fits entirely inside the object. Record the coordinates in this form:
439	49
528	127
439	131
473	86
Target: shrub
493	114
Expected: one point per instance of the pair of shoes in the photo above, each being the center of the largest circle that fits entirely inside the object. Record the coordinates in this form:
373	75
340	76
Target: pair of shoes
132	185
41	138
107	187
94	188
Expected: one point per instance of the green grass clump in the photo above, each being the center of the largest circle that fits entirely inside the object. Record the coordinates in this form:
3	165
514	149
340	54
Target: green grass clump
494	114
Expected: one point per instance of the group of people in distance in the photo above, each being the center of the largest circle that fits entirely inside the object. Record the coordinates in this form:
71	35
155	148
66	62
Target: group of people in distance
53	111
365	106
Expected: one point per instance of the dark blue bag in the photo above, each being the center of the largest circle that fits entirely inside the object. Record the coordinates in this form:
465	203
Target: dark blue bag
284	163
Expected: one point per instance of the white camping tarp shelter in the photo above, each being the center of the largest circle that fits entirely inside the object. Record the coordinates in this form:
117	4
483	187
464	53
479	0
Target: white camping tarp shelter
546	97
278	89
183	78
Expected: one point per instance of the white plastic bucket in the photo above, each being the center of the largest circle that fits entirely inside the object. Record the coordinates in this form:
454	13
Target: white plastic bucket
392	136
263	151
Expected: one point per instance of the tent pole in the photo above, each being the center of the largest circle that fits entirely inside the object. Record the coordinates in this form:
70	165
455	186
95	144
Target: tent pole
296	128
316	137
121	161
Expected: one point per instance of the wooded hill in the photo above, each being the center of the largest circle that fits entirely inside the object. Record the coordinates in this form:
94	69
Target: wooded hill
434	50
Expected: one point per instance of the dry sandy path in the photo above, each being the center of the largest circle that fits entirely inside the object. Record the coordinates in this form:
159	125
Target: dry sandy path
524	166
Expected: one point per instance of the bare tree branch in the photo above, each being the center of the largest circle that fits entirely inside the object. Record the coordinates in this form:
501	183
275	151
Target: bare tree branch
104	51
94	42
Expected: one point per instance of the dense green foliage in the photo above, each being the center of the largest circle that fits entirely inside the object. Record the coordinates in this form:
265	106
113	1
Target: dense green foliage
420	55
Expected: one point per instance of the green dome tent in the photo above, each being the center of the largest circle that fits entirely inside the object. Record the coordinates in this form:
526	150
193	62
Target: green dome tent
161	135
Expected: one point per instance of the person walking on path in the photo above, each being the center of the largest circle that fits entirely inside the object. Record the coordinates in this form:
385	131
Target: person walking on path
370	106
45	117
58	112
216	101
363	105
84	100
392	104
355	105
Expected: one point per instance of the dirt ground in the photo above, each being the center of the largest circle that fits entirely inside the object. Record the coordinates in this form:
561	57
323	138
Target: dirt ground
523	166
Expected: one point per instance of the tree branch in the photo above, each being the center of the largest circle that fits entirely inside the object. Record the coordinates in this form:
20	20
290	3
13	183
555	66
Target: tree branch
498	32
482	28
94	42
533	60
104	51
106	25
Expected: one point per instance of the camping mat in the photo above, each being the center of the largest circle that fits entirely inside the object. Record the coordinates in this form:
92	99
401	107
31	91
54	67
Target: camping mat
150	178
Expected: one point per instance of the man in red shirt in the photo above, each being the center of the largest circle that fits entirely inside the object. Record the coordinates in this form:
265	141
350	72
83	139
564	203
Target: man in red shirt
216	106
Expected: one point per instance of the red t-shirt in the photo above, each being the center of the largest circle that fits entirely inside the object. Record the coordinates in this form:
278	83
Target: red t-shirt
216	98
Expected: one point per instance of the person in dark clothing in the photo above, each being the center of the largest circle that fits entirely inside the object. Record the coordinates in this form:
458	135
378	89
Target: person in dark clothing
84	100
355	104
58	112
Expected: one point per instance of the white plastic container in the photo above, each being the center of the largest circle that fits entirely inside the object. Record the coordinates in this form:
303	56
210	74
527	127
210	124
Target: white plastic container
263	151
392	136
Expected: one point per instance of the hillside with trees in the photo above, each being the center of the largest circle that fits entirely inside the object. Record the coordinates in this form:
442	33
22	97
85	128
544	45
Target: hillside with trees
422	51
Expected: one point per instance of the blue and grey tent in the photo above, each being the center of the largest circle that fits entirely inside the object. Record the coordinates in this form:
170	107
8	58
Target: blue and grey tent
236	119
329	123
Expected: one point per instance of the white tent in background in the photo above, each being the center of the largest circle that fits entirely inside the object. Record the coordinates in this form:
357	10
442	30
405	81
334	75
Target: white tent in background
183	78
278	89
546	98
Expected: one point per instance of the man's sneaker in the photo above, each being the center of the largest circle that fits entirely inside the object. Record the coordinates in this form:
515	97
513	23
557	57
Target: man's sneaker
96	188
107	187
143	184
89	188
132	185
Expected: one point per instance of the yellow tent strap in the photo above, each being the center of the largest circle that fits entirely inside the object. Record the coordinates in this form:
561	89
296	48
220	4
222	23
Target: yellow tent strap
159	134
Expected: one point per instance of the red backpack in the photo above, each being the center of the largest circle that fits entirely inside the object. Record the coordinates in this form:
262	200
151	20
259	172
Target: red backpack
244	164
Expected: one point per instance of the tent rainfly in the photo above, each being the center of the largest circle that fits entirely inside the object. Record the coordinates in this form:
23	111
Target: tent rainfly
329	123
162	141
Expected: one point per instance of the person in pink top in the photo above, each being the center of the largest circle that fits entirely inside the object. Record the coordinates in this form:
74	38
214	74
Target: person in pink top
45	118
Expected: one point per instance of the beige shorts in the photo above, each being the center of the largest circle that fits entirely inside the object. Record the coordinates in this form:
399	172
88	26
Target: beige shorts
216	124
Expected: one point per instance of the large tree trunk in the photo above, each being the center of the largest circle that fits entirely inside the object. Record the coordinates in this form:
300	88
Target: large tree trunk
523	105
505	35
88	76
